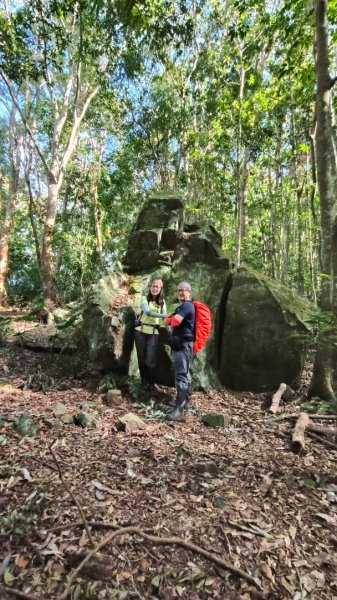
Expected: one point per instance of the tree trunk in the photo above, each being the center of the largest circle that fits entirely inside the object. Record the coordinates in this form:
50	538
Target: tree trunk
48	270
60	156
6	228
322	379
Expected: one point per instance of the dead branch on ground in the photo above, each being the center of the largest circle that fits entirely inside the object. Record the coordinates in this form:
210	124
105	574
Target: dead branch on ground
295	416
322	429
18	593
94	524
323	441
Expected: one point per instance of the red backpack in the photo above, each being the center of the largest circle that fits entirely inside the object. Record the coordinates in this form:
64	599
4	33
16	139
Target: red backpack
203	324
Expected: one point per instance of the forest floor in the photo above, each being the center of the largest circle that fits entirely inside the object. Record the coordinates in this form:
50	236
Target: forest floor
259	507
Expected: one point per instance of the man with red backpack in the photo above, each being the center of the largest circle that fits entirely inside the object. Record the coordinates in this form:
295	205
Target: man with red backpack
182	322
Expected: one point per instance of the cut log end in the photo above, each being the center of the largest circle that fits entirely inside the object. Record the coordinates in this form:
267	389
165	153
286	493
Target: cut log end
277	398
298	442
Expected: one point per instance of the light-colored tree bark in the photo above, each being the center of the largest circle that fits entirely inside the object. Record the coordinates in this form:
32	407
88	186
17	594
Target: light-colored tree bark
15	147
322	383
301	425
242	172
76	99
277	398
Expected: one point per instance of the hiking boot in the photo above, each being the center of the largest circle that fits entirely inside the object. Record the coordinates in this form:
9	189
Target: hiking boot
177	413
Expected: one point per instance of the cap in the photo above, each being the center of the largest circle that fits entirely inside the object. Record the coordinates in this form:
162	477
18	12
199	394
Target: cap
184	286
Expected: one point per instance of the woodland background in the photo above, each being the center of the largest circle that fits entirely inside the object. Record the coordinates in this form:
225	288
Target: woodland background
230	103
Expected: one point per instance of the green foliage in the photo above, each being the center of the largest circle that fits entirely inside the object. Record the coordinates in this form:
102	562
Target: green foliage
309	483
317	405
134	388
110	381
68	323
20	522
17	523
5	328
190	93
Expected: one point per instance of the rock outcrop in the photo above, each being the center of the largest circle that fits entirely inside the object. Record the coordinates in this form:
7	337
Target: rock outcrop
107	325
264	334
260	332
157	236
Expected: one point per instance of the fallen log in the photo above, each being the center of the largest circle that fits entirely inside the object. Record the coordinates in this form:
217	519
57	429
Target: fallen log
298	435
277	397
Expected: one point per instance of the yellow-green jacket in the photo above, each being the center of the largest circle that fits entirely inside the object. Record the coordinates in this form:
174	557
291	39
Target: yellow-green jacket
150	324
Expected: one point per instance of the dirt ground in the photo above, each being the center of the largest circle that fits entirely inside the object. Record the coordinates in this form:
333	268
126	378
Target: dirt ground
254	519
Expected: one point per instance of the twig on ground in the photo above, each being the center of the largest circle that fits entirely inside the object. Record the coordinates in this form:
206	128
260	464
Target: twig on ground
84	521
44	463
296	415
322	440
321	429
95	524
151	553
324	417
227	540
280	418
282	435
134	584
18	593
162	541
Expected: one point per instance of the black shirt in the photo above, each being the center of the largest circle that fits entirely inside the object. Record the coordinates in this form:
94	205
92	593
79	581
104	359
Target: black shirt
186	328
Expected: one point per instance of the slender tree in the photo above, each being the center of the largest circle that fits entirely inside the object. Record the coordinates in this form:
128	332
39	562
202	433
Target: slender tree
14	150
322	383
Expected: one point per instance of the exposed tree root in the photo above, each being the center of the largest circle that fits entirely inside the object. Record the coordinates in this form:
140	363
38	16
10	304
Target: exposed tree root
158	541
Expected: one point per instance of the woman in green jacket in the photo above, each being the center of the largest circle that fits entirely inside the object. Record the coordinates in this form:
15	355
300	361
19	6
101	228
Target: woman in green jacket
153	313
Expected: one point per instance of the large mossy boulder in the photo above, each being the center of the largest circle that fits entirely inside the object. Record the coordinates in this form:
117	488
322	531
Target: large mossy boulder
265	333
108	323
259	335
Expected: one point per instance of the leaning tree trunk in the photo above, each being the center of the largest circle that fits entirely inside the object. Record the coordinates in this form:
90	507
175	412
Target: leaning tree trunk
6	227
322	379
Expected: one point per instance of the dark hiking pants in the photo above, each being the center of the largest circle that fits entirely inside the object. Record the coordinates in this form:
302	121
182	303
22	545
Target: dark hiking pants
146	346
182	360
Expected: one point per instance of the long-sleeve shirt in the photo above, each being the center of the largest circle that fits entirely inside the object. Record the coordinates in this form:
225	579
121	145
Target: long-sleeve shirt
151	323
